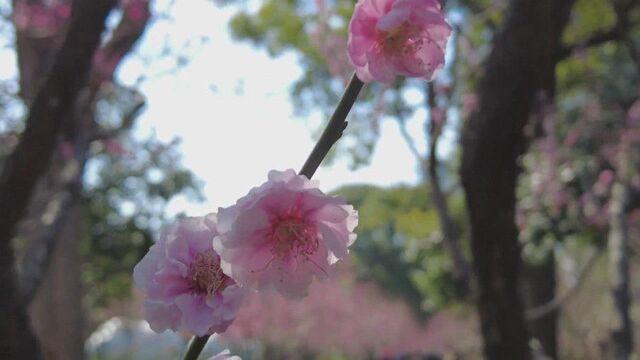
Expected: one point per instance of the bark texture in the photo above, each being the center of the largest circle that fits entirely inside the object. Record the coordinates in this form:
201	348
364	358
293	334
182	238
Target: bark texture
520	65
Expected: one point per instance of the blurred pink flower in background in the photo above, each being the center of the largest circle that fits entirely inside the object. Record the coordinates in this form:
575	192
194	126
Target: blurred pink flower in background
284	233
185	288
397	37
438	115
347	317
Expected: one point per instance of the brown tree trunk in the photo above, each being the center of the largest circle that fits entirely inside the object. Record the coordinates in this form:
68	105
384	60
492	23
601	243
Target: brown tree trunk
622	334
56	311
30	160
521	63
539	282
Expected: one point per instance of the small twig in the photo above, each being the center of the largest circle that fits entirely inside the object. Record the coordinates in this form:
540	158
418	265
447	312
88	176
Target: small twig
554	304
402	125
334	128
196	345
595	40
127	122
331	134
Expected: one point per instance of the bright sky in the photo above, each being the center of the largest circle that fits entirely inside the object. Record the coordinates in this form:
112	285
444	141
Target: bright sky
230	106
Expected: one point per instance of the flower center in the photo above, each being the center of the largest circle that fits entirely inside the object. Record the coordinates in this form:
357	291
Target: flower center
292	237
205	275
403	39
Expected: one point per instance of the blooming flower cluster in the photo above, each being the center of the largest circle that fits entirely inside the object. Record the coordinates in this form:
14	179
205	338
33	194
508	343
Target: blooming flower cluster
278	237
286	232
397	37
186	290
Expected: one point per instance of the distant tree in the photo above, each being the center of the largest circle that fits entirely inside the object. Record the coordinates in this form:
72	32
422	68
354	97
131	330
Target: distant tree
104	223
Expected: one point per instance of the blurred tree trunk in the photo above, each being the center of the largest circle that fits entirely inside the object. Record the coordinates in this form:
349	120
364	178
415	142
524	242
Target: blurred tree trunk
56	310
622	334
30	159
521	64
539	282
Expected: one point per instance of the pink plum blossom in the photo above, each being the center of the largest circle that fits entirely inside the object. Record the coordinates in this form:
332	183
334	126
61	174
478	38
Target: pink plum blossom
185	288
283	233
397	37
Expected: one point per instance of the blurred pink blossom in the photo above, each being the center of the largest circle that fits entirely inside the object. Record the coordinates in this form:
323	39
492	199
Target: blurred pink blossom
284	233
115	148
372	325
41	20
438	115
397	37
186	290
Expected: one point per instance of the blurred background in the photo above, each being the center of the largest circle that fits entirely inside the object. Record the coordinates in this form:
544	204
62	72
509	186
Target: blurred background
499	205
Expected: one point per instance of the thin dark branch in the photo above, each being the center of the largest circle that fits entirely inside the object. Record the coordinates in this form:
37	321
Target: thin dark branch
600	38
556	303
331	134
462	269
619	32
402	126
126	124
334	128
196	345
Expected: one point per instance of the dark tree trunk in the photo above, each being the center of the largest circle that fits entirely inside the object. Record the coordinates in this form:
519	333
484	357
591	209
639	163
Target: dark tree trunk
540	289
30	160
622	334
59	298
520	65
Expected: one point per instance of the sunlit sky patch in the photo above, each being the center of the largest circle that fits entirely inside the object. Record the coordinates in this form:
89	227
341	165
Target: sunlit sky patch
230	106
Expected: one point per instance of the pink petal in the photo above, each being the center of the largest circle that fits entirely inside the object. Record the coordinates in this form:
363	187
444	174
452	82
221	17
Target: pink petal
380	67
393	19
161	317
196	315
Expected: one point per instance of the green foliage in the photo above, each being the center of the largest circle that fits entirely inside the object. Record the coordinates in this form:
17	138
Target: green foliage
399	244
126	203
589	17
128	183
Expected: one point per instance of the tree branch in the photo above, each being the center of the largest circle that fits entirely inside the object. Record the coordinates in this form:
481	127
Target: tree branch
541	311
334	128
597	39
126	124
42	239
462	269
402	126
53	103
618	32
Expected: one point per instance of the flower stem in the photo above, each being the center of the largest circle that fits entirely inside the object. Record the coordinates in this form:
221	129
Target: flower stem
334	128
330	135
196	345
